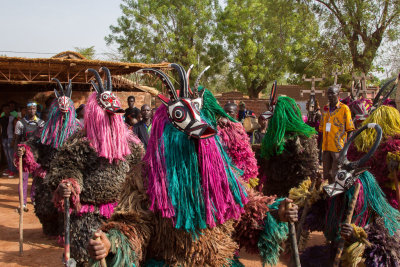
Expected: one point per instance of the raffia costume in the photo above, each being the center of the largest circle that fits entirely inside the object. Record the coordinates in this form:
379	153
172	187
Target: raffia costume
289	150
189	206
41	150
376	224
95	161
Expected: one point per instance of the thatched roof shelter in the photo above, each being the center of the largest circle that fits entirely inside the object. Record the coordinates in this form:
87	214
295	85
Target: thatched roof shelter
36	73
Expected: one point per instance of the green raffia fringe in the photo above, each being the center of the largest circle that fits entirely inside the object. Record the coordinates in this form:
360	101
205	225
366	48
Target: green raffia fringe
374	200
286	119
211	109
235	262
121	254
184	183
273	235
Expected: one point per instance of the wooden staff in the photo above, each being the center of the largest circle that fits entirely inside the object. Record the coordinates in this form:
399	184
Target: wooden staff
396	184
304	214
293	240
349	216
21	209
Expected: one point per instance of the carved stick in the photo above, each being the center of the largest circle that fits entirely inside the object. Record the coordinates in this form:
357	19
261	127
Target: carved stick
21	209
293	240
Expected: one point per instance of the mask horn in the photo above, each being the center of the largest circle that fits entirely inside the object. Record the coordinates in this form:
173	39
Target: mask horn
108	81
69	89
378	95
164	79
184	91
366	157
196	84
272	96
187	78
99	87
60	87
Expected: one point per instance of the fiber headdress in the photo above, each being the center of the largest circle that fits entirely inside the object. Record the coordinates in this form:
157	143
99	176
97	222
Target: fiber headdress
286	120
104	126
190	180
389	120
62	122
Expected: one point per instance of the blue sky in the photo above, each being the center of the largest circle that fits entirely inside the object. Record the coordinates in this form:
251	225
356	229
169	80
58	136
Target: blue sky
49	26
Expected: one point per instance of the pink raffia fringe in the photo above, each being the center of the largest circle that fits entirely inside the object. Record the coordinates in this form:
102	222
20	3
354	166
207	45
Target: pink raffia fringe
75	204
29	163
105	210
237	142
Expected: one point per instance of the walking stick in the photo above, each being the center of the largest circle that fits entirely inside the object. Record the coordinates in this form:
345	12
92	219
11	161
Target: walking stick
349	216
304	214
293	240
102	261
21	210
396	184
68	261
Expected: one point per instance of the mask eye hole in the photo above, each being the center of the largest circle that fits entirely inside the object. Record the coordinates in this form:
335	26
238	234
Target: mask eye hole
196	106
179	114
105	97
341	176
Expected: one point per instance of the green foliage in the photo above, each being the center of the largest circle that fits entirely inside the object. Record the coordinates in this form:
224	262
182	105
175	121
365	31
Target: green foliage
263	38
362	24
178	31
87	52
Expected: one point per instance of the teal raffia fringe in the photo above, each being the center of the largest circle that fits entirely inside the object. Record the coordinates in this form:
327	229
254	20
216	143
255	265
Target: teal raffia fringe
184	182
273	235
155	263
121	254
211	109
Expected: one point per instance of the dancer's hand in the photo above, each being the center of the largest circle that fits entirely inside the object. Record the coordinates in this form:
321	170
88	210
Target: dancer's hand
346	231
222	122
99	246
65	189
21	151
288	214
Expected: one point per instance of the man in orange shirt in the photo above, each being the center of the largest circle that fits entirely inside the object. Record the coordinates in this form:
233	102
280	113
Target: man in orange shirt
336	123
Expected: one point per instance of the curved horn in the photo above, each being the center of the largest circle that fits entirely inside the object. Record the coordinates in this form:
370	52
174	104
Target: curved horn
108	79
378	95
187	78
358	86
99	88
182	74
69	89
365	158
60	86
272	96
196	84
164	79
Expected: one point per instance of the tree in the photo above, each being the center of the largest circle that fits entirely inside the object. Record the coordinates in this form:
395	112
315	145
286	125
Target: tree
262	38
87	52
171	31
363	24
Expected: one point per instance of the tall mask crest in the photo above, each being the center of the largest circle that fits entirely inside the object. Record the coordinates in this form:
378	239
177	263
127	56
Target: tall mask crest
184	105
105	97
272	101
63	98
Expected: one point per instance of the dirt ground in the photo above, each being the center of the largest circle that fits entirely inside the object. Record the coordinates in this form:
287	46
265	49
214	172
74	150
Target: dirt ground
42	251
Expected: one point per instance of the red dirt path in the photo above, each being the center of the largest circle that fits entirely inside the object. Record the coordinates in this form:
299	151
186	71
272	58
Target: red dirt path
42	251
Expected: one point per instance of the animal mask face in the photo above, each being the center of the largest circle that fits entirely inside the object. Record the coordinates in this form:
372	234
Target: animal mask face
105	97
184	106
63	98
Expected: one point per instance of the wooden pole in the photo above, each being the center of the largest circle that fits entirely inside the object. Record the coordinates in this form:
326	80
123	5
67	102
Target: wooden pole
67	225
21	209
349	216
293	240
396	184
102	261
305	212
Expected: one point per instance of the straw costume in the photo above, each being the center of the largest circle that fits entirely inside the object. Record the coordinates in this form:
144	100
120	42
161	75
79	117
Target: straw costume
389	149
189	206
41	150
289	150
95	162
375	224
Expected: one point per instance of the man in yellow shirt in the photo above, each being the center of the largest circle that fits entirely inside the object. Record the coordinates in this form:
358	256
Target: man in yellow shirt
336	123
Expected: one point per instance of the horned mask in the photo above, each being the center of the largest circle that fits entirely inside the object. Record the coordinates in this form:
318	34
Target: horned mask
184	105
349	171
105	97
63	98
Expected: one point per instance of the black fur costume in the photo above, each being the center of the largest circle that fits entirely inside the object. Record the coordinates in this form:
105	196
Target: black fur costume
287	170
100	182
